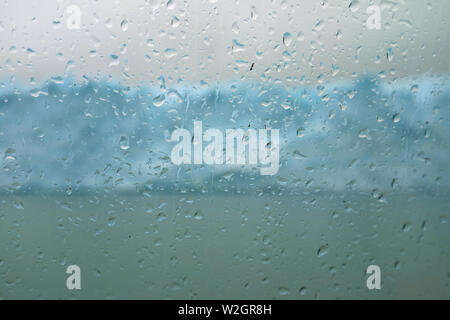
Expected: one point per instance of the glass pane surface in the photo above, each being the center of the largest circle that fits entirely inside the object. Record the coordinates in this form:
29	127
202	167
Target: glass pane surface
224	149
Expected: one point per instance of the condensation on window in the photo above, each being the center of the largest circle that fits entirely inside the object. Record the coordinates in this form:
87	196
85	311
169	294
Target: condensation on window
224	149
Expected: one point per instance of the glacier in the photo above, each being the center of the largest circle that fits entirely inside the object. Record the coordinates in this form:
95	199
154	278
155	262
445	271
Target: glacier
366	134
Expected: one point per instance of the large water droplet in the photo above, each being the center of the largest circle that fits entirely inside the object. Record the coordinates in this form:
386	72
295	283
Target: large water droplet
158	101
287	39
124	142
124	25
323	250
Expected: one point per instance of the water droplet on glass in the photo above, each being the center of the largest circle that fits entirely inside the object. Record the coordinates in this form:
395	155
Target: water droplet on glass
10	154
406	227
283	291
354	5
158	101
323	250
124	25
396	118
124	143
287	39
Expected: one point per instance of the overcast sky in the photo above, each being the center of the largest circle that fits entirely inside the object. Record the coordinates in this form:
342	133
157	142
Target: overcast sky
137	41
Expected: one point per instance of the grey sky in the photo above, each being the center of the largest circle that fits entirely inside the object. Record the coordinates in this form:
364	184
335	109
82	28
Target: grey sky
217	40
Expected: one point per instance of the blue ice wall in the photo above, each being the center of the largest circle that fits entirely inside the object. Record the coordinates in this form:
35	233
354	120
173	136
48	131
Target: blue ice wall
369	134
